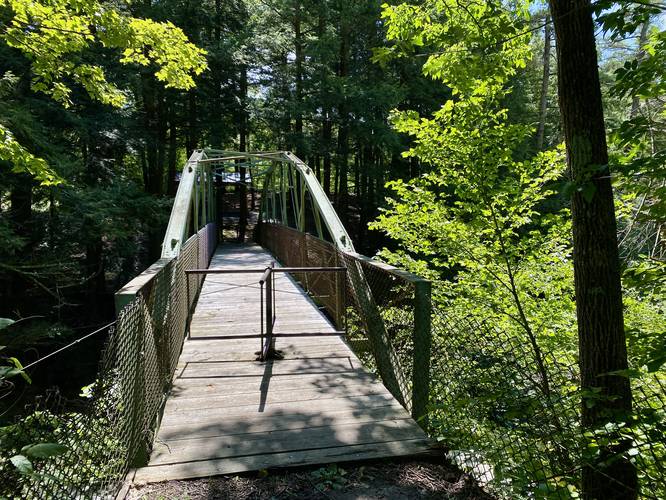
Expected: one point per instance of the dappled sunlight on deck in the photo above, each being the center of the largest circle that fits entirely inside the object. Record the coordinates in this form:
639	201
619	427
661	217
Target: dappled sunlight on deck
229	413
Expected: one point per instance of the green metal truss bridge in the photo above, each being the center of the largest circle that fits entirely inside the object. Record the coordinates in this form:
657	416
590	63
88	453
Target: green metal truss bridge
292	349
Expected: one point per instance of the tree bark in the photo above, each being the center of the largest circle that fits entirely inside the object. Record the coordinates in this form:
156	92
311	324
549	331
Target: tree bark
162	126
150	127
327	134
545	79
602	344
242	220
342	186
317	167
298	63
172	185
192	139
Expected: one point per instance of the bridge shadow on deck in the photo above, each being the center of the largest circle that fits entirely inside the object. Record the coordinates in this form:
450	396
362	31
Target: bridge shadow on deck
228	413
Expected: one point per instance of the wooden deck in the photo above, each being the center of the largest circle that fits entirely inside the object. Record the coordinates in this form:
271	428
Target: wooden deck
228	413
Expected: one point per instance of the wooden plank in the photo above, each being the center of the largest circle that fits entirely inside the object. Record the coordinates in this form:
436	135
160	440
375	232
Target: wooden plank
247	353
237	465
280	409
295	367
207	401
176	431
247	384
209	448
214	346
229	413
222	329
229	326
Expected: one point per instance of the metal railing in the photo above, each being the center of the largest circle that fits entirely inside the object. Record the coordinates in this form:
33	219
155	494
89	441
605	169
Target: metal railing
387	310
267	307
268	278
114	429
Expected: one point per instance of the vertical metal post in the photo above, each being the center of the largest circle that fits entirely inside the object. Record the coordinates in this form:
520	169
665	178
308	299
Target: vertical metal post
269	317
139	447
204	204
344	300
188	308
301	218
195	199
198	254
273	280
340	300
261	317
422	342
304	260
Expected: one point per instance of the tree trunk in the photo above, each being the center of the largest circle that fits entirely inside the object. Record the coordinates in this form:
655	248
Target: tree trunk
242	220
317	166
636	101
20	208
327	134
357	169
192	139
602	345
150	127
161	142
363	196
172	185
342	187
216	120
298	63
545	79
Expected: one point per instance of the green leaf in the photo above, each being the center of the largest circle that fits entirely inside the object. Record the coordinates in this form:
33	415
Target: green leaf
12	371
23	465
5	322
44	450
656	363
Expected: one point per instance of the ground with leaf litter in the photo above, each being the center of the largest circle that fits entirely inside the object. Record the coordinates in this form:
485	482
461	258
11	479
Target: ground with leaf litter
395	480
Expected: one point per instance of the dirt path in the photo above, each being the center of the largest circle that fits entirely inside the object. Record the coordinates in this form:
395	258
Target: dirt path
394	480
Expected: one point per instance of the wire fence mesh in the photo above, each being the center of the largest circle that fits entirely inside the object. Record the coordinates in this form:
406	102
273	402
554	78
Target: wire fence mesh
517	427
505	412
114	428
380	307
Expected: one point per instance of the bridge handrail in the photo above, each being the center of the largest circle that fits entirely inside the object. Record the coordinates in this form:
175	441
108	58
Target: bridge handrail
193	206
152	315
113	429
390	333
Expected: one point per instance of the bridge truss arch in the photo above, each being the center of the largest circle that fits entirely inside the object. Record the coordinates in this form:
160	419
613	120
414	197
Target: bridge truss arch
295	217
291	196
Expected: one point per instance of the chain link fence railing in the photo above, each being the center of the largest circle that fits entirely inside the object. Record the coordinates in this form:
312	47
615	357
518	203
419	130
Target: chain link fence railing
505	414
519	432
508	415
114	429
386	311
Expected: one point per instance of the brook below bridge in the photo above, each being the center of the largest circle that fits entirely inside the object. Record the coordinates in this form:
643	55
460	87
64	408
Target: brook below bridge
295	350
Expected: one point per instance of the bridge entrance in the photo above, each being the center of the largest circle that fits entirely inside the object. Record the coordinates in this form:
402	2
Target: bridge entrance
288	351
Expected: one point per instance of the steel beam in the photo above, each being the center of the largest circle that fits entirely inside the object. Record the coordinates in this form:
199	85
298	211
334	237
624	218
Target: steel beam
176	232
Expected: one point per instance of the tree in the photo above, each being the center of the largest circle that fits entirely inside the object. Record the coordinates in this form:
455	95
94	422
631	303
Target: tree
601	335
545	79
53	36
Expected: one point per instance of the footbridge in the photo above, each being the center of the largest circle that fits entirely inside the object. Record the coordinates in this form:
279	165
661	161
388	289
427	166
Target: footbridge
287	349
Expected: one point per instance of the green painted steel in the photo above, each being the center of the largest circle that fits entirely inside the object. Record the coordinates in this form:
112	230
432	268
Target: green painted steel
293	197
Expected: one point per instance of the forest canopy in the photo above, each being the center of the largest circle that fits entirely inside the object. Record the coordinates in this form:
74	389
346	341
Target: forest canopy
513	154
